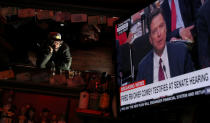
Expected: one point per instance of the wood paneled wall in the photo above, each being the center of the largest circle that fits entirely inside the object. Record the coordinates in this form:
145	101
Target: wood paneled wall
98	58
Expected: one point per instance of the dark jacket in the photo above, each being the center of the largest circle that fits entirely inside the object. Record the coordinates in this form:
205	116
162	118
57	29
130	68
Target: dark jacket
179	62
203	38
61	59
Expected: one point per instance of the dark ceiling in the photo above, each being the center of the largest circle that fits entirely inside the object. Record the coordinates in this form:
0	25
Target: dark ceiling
95	7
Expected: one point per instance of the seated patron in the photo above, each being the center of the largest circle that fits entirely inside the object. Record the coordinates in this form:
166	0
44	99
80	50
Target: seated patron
55	54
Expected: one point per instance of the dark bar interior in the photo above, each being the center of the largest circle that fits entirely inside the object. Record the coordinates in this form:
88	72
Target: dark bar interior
104	61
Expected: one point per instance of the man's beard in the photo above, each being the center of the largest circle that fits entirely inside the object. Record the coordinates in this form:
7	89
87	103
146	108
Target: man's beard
56	49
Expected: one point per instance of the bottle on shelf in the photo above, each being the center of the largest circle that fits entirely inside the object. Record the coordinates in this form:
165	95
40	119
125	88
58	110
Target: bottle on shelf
61	78
52	74
94	92
105	96
69	78
84	98
78	81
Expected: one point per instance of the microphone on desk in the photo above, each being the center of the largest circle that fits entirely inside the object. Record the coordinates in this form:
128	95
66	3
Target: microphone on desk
164	69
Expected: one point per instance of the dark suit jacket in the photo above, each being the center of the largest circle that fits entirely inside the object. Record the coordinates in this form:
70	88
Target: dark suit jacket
179	62
188	10
203	38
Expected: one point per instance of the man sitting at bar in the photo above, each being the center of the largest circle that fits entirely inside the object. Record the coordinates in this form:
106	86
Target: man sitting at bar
166	60
55	53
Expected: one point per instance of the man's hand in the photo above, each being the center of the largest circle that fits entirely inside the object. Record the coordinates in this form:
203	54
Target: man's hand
185	33
51	49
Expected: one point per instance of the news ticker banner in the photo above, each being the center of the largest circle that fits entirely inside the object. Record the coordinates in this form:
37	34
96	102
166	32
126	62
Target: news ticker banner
137	92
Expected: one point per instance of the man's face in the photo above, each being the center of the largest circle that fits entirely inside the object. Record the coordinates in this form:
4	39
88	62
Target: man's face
158	34
57	44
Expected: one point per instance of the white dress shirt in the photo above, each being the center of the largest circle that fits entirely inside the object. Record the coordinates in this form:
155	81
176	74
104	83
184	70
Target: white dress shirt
165	63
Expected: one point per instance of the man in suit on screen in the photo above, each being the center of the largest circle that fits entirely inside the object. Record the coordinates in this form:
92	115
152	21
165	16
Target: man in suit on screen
166	60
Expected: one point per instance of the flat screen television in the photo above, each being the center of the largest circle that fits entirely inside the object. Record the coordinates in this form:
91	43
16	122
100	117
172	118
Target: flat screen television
133	43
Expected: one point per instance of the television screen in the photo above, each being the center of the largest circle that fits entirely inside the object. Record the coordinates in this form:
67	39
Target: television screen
160	56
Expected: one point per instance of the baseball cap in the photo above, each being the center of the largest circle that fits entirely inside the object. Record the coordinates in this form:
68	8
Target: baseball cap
55	36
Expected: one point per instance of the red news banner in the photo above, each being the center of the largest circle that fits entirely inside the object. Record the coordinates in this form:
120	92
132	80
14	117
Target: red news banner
132	86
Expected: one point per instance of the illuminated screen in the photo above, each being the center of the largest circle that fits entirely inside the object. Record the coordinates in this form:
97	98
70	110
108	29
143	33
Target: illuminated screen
160	56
